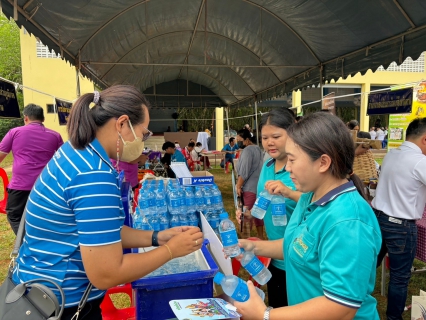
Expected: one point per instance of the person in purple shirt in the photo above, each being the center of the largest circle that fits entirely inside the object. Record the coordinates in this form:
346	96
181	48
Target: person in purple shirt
130	169
32	145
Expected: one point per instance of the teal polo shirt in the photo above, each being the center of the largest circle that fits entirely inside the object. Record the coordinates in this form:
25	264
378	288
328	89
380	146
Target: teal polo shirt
331	248
268	173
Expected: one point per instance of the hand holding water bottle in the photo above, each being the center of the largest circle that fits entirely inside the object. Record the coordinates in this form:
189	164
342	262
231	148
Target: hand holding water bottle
254	308
279	188
247	215
185	242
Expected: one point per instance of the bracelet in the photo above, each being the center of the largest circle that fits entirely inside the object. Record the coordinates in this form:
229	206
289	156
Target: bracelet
267	313
170	251
154	239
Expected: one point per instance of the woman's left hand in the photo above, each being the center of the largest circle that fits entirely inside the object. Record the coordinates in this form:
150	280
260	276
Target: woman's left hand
166	235
277	187
253	308
238	190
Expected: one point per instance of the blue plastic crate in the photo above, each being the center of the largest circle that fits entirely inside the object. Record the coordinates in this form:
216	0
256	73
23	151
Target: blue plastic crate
152	295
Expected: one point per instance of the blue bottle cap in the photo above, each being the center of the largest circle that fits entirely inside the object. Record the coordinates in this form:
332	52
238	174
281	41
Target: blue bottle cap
218	278
224	215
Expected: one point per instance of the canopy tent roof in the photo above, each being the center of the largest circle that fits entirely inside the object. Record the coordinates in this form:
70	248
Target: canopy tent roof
224	52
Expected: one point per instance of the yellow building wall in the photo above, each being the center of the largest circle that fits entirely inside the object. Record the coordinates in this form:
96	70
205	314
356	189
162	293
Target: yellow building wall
369	79
53	76
379	78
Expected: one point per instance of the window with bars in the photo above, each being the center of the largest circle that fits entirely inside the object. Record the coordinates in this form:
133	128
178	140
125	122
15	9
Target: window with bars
409	65
43	51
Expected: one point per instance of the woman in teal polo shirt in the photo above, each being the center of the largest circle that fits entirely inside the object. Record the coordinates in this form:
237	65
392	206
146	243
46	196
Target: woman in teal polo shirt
332	241
276	180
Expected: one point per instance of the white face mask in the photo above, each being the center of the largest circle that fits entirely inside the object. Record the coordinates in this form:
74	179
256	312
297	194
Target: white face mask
131	149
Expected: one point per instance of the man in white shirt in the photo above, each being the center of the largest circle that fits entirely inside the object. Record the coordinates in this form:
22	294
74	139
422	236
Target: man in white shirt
373	133
380	135
400	201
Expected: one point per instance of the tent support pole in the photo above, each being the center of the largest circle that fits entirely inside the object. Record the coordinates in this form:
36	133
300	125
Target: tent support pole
257	125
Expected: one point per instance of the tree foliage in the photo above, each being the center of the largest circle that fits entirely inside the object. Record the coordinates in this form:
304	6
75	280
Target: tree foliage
10	65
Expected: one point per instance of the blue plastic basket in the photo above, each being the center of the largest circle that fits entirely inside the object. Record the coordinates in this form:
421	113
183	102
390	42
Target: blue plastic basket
152	295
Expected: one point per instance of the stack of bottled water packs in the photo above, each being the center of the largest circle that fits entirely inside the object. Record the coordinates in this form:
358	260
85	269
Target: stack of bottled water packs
164	204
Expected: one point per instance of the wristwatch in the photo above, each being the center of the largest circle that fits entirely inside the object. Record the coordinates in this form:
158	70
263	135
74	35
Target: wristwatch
266	314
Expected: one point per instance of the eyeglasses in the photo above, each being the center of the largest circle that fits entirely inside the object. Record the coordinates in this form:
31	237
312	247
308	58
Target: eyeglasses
146	135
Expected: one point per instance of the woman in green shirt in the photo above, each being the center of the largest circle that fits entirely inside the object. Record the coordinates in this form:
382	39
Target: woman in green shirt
276	180
331	243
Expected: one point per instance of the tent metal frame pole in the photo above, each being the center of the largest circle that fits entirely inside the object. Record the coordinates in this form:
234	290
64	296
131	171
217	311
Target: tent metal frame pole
257	124
194	65
200	11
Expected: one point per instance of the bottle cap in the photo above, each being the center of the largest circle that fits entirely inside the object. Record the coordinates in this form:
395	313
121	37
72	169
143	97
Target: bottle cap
224	215
218	278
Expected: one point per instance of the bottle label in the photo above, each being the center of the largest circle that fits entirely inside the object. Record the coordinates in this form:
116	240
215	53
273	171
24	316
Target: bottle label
278	209
175	203
161	203
216	199
143	204
229	238
241	292
190	202
254	266
262	203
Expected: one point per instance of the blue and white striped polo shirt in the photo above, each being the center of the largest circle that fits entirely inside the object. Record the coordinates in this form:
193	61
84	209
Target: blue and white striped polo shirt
75	201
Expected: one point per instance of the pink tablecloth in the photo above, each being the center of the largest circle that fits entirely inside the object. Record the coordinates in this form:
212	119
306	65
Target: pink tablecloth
421	238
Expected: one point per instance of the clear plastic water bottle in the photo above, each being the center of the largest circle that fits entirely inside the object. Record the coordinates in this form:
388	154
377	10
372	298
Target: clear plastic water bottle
147	164
193	219
256	268
261	205
208	198
174	201
160	200
155	222
175	221
143	203
182	199
235	287
151	199
278	210
137	220
183	220
215	220
199	200
229	236
164	221
145	225
217	198
189	200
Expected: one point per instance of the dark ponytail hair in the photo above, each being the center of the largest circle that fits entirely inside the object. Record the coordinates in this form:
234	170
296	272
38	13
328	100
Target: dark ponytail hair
113	102
281	117
323	133
245	134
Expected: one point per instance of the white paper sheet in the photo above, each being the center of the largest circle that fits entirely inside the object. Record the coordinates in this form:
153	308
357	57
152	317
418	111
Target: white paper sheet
216	247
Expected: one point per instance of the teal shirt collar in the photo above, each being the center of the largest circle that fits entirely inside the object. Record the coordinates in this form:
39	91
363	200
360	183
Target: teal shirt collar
333	194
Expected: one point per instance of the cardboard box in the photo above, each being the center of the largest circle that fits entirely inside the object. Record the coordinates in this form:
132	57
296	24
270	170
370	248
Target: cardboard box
194	178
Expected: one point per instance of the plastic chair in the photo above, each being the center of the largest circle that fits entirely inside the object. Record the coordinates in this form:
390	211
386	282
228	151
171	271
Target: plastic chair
5	179
236	265
110	312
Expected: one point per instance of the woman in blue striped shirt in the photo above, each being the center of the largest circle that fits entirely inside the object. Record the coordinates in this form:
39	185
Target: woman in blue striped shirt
74	215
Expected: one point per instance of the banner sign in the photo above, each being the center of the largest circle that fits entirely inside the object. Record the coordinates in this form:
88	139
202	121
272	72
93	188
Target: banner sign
399	101
64	109
9	107
328	103
398	123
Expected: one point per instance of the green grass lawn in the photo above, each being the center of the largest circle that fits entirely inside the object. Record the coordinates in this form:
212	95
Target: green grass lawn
418	281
